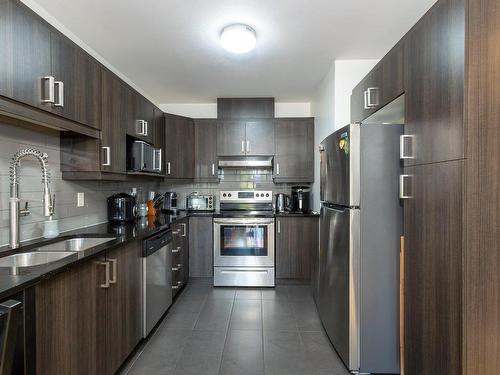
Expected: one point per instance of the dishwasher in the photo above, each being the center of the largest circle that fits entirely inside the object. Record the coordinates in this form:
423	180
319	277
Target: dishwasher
156	278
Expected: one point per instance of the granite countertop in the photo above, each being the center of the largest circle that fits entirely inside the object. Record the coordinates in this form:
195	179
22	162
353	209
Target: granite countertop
296	214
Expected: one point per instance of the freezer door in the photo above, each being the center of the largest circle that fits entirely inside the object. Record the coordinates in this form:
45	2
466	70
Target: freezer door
339	167
338	297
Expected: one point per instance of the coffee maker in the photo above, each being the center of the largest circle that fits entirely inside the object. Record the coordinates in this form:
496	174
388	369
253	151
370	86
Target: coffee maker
301	199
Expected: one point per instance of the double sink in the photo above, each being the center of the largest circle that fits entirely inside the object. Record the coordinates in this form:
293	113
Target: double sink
51	253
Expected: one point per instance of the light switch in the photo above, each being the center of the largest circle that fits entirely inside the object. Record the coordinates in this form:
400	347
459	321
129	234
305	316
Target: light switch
80	200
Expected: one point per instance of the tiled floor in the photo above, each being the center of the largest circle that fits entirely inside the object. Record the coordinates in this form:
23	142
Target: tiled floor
241	332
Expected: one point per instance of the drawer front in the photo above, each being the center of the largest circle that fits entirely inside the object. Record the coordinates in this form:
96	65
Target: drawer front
244	276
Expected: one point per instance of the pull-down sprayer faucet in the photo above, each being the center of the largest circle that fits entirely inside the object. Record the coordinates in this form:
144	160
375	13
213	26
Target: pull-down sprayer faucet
48	201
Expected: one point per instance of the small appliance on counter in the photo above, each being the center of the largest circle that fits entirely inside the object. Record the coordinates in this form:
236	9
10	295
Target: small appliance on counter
283	203
121	208
142	157
200	202
301	199
170	203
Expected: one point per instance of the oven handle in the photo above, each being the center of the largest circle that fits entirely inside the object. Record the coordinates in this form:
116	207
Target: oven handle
254	221
245	271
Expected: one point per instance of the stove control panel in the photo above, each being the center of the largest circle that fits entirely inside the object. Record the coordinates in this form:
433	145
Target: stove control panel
246	196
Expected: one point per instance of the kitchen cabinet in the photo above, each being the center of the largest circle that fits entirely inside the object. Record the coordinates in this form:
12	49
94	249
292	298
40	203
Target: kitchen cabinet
245	108
382	85
25	56
433	268
180	255
296	241
294	158
78	95
142	123
89	317
434	85
201	246
159	131
205	132
245	138
179	147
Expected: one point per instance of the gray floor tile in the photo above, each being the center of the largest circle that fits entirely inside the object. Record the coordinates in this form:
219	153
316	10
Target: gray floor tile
180	320
278	293
246	315
299	293
283	353
306	316
243	354
189	304
202	354
215	315
248	294
320	358
277	315
161	354
221	293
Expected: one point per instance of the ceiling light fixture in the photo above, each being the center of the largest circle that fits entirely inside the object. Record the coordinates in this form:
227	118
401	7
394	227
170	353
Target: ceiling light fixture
238	38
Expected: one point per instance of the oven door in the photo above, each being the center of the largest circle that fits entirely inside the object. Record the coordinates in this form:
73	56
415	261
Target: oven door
244	242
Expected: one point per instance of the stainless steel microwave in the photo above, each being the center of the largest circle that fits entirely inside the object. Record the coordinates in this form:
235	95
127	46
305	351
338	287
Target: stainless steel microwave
197	202
142	157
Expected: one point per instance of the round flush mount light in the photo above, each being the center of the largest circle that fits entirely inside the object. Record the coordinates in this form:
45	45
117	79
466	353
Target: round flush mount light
238	38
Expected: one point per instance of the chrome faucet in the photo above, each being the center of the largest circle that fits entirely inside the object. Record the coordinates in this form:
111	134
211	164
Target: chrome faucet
48	200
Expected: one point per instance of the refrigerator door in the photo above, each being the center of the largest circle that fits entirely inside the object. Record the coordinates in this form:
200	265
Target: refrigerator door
338	298
339	167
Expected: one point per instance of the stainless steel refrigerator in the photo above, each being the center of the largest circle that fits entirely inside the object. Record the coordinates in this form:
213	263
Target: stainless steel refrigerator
360	226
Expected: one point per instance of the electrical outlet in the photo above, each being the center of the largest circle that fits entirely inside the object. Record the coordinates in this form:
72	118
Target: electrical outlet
80	200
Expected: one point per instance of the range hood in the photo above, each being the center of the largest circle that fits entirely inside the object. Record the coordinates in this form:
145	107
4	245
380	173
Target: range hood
246	162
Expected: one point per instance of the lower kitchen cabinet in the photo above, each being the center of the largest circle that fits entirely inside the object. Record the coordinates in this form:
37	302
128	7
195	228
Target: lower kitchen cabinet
201	246
180	255
296	241
88	319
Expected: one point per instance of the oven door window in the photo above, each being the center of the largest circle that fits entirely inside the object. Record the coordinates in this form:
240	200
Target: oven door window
237	240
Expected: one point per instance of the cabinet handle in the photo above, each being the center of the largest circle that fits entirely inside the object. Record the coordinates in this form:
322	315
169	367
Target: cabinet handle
242	147
213	169
179	283
157	157
106	156
277	168
106	267
279	226
177	268
168	168
176	250
146	127
184	226
402	192
248	147
368	98
365	93
59	94
142	128
113	280
47	95
403	140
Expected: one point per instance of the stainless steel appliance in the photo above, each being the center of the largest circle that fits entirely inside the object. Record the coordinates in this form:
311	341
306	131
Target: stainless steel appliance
170	202
244	240
199	202
360	227
12	343
156	278
283	203
301	199
142	157
121	207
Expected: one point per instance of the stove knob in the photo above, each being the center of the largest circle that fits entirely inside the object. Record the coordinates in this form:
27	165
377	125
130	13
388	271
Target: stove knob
224	194
256	195
267	195
229	195
262	195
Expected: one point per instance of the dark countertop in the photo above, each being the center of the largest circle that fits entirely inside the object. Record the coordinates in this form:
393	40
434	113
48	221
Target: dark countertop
296	214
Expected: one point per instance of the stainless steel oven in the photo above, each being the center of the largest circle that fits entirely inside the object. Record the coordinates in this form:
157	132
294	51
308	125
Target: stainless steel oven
244	240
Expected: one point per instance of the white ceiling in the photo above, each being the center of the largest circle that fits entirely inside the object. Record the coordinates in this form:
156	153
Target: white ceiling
170	50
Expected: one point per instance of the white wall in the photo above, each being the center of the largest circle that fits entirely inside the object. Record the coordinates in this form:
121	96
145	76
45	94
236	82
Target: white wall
331	105
209	110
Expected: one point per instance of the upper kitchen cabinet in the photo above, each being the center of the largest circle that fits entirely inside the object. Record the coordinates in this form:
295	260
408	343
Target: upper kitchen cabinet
294	158
245	108
205	132
434	85
143	121
245	138
179	147
77	86
159	130
25	55
382	85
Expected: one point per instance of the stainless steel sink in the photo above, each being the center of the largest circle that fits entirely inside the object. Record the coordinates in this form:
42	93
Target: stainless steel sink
35	258
76	244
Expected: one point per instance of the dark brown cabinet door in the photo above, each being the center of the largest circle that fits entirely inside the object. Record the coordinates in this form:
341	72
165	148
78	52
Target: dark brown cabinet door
206	150
231	138
433	269
124	304
380	87
142	123
180	255
296	240
434	84
294	158
25	53
260	137
179	145
70	323
159	130
81	78
201	246
115	113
